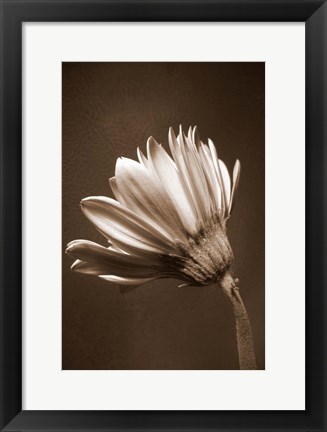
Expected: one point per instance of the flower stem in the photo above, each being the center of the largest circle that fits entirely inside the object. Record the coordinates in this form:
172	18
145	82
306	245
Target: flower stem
243	327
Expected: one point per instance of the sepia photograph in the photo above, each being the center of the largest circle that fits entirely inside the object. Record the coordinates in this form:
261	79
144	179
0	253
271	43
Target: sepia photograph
163	216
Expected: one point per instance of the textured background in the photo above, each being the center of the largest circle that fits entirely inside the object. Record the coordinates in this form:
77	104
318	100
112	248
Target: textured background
108	110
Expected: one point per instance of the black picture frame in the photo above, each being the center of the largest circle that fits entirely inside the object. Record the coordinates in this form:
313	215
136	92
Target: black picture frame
13	14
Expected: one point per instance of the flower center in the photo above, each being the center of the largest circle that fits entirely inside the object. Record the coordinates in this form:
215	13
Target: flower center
208	255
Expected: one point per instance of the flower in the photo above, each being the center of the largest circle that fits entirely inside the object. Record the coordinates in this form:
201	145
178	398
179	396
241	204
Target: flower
168	219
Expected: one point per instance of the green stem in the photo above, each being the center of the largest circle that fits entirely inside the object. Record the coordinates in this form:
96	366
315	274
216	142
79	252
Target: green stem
243	327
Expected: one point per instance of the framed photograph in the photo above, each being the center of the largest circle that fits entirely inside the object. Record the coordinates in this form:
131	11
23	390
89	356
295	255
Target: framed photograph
149	332
163	215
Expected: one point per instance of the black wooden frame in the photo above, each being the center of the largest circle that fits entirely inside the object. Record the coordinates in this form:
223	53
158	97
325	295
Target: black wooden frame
13	14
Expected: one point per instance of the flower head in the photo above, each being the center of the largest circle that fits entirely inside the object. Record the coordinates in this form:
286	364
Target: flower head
168	219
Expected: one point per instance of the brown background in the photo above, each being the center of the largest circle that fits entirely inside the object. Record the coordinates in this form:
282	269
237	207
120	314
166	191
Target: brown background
108	110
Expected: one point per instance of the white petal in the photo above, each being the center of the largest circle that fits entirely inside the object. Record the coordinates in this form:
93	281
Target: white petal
215	178
145	196
93	252
98	270
125	220
197	180
165	168
178	151
236	178
124	229
142	159
213	184
189	140
116	249
199	183
214	158
114	188
198	168
226	181
172	143
126	281
89	268
95	259
196	136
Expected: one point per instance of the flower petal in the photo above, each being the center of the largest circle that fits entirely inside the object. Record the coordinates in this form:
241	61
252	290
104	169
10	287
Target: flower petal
178	151
142	159
109	216
96	259
214	158
114	188
197	175
126	281
89	268
93	252
213	184
226	181
145	196
164	167
236	178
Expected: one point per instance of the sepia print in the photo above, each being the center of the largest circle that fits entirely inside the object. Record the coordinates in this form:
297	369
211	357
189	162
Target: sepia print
163	216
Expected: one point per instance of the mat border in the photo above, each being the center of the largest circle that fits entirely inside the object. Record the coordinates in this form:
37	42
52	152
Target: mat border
13	14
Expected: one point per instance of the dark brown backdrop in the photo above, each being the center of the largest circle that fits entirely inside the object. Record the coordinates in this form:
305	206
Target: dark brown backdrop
108	110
